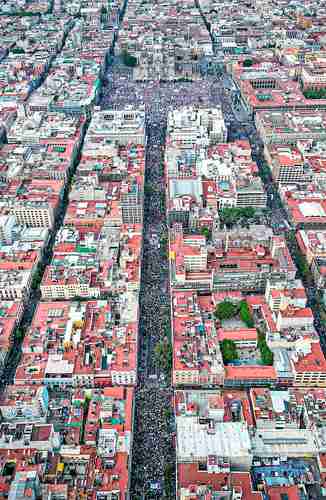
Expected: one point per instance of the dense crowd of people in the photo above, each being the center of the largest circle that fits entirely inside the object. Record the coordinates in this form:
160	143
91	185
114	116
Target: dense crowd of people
152	437
156	96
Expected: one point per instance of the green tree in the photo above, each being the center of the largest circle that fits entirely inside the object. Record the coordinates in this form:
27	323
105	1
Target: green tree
205	232
85	403
163	353
128	59
248	212
18	50
37	278
168	479
167	413
19	334
167	331
265	172
247	63
315	93
225	310
104	14
229	351
302	266
228	216
300	259
231	215
266	354
245	314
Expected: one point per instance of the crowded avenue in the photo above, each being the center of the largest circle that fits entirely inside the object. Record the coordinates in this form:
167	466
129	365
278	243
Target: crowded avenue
153	447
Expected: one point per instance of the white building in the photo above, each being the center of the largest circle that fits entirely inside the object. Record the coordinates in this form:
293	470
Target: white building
189	126
24	404
14	284
120	126
228	440
7	225
283	443
34	214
